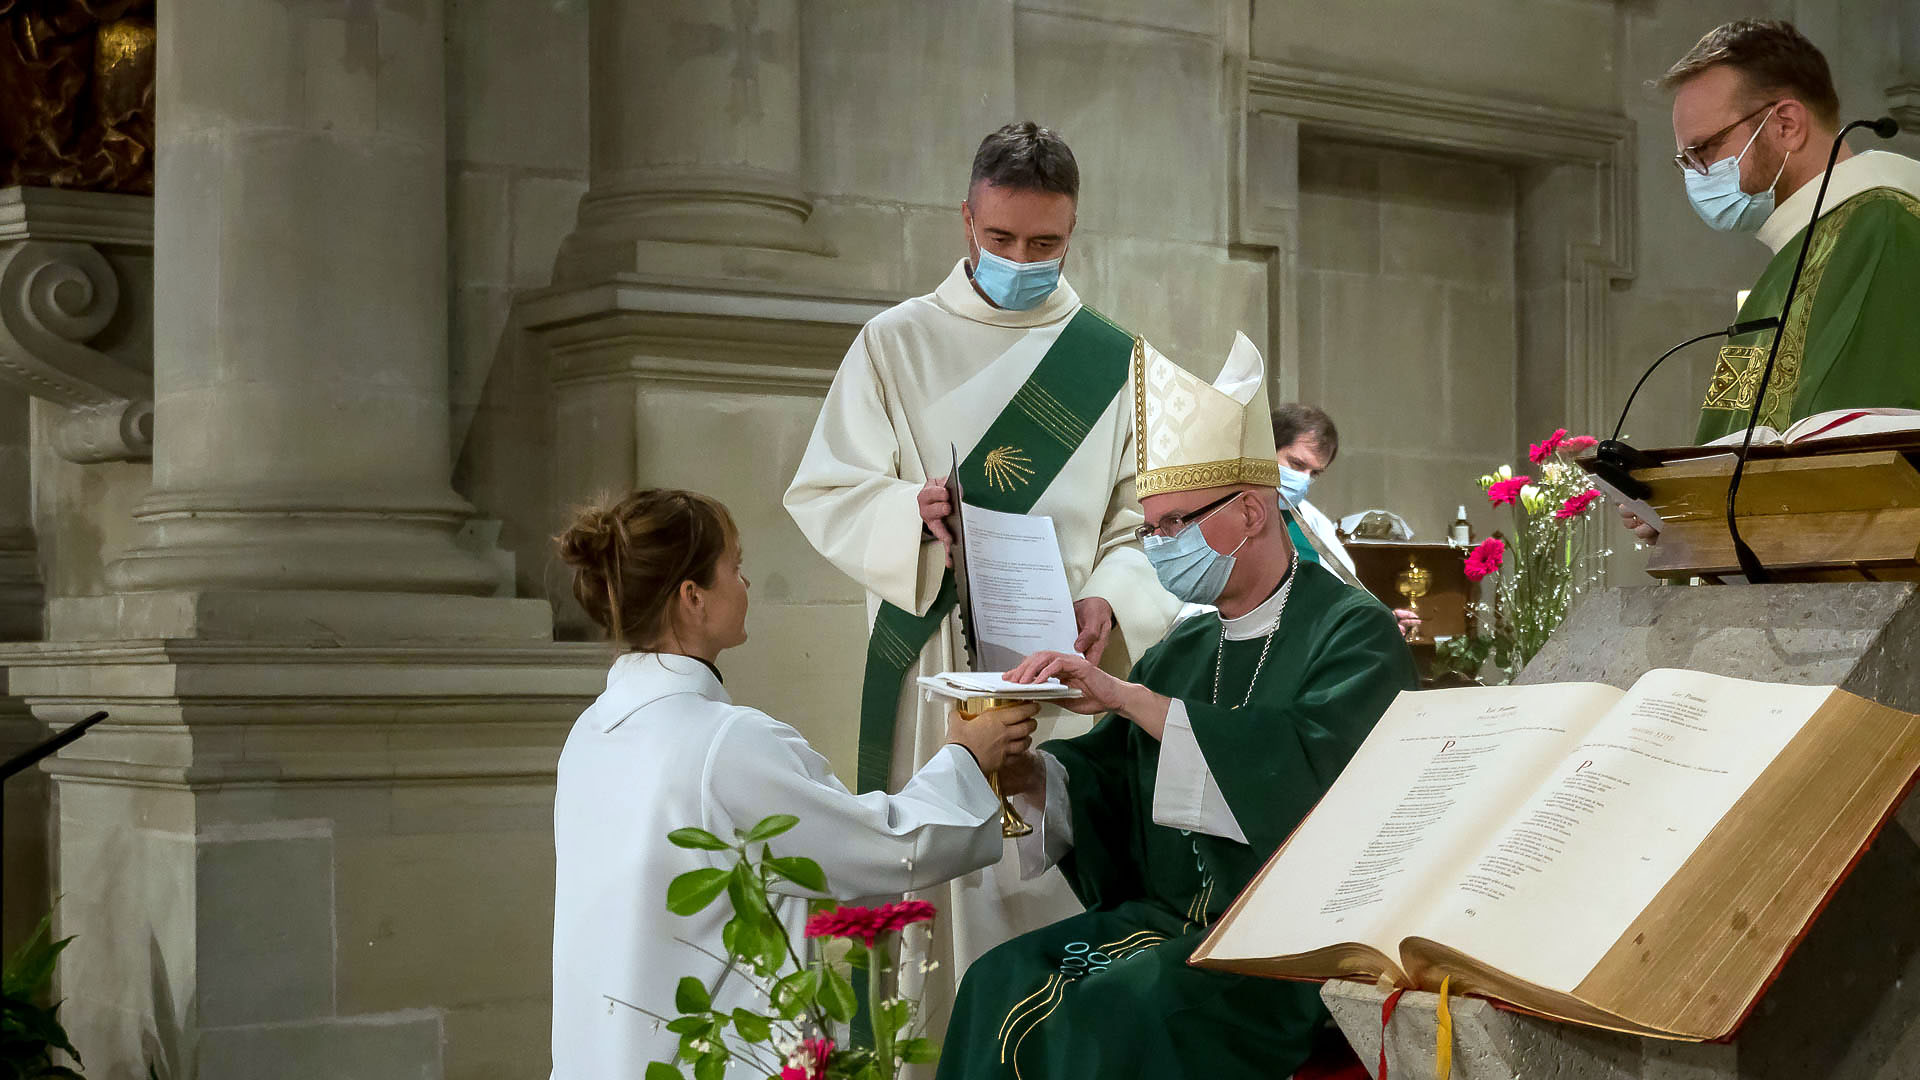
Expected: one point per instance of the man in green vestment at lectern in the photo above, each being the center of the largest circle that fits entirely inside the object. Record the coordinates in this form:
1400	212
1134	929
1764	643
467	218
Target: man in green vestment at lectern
1754	117
1227	733
1754	109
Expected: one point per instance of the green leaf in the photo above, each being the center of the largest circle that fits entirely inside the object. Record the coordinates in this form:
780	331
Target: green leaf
697	839
752	1026
694	890
686	1025
836	996
856	954
743	889
802	872
690	996
711	1067
794	993
916	1052
770	828
660	1070
892	1018
30	968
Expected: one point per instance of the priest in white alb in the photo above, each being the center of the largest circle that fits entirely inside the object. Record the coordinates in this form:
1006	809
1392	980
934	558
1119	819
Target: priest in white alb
1003	365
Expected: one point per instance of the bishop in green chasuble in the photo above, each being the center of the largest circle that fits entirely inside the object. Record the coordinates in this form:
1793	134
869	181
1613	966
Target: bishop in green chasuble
1852	339
1222	738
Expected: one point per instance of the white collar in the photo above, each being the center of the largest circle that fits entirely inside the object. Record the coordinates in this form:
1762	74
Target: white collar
1256	623
1862	172
648	677
958	295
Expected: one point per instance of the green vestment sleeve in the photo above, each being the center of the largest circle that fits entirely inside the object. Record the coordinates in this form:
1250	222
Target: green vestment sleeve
1274	760
1849	341
1106	862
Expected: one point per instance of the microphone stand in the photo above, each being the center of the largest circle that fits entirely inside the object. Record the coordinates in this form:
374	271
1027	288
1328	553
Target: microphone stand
1615	460
1749	562
34	754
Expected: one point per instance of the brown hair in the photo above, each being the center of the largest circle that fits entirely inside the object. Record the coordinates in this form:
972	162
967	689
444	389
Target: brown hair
1026	157
1292	420
630	558
1774	58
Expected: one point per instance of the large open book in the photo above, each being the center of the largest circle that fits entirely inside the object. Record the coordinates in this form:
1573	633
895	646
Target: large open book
1832	424
1641	860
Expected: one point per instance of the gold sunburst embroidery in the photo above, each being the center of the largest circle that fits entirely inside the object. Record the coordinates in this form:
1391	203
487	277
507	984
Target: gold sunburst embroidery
1007	468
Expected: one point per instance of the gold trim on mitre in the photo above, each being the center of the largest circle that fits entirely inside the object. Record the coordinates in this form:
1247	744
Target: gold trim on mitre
1192	435
1211	474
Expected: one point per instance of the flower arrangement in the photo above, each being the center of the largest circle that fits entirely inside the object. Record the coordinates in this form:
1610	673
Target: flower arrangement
809	1000
1537	574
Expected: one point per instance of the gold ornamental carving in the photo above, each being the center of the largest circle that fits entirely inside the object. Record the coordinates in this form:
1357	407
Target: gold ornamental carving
77	95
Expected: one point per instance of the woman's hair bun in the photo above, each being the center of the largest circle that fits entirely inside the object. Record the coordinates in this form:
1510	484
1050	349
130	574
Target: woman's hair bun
630	557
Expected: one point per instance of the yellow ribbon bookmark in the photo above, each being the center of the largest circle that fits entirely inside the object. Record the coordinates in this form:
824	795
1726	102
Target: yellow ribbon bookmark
1443	1042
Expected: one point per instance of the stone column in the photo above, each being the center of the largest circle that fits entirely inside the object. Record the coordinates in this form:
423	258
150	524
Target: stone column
300	333
314	838
697	318
696	131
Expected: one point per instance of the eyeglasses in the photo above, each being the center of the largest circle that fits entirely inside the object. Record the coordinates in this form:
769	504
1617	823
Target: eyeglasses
1173	523
1695	156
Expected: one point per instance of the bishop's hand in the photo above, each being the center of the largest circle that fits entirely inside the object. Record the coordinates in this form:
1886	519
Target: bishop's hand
1099	691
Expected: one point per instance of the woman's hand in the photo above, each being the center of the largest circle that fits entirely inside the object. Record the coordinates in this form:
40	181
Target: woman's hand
994	735
1024	774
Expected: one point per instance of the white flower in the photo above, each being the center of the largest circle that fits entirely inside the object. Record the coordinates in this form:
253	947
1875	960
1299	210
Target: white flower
1506	472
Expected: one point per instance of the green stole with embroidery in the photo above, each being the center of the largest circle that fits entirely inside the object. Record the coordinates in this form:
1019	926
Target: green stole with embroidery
1007	470
1849	342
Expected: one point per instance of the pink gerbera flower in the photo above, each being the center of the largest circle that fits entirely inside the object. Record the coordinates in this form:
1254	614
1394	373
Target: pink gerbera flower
1580	442
1577	505
808	1060
1486	558
1541	451
1504	492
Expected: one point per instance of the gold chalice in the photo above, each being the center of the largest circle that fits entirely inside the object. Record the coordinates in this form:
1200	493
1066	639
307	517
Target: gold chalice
1413	584
1011	824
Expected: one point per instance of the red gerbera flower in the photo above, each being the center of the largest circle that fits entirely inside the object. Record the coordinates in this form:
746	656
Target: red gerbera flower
1486	558
1541	451
1505	492
867	924
1577	505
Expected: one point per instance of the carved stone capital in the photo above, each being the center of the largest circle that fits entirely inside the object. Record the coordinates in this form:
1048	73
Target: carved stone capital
75	315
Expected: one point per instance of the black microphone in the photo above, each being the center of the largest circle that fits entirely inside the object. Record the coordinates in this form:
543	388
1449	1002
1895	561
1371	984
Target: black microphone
1615	460
1886	128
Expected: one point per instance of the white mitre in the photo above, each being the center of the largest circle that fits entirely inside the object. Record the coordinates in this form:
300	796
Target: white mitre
1192	435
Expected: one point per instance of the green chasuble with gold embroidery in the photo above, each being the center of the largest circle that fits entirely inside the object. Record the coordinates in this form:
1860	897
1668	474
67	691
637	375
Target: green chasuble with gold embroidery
1108	993
1853	337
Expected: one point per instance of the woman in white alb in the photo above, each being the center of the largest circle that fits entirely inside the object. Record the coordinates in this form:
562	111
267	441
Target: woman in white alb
664	747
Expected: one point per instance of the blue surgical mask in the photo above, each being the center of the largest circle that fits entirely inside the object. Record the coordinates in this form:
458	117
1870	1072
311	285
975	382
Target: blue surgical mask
1294	485
1717	196
1187	565
1013	285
